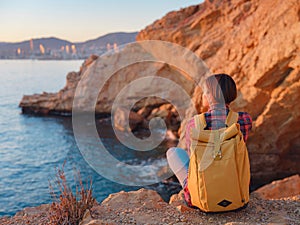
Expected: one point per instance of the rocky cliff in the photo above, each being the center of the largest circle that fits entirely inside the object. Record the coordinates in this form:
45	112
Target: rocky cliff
147	207
258	43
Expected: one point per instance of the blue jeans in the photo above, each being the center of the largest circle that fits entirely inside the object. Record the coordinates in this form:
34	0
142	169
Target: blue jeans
179	160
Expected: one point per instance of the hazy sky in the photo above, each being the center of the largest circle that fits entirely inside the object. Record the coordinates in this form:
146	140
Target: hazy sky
79	20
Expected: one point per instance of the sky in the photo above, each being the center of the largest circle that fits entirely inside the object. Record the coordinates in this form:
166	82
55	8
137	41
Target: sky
79	20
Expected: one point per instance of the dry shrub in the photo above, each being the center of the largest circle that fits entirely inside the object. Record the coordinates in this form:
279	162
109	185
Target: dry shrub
69	208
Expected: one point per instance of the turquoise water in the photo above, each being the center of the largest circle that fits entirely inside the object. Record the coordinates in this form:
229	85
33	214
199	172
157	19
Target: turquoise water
31	147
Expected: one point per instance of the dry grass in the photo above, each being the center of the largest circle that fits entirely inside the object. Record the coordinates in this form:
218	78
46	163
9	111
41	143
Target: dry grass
69	208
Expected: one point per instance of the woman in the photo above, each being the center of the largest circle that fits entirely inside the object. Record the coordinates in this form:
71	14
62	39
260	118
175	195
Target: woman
219	91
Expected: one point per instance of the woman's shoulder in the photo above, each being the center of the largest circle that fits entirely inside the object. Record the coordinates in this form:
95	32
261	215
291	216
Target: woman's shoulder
243	114
245	117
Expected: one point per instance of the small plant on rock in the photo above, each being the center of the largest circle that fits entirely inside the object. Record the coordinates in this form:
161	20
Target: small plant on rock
69	208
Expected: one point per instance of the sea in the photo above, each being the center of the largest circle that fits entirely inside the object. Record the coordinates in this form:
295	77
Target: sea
32	147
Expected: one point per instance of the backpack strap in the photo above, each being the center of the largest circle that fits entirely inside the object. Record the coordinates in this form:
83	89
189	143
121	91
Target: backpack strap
231	118
200	121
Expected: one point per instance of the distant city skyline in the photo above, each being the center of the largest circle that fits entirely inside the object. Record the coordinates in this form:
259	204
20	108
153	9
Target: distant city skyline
79	20
58	49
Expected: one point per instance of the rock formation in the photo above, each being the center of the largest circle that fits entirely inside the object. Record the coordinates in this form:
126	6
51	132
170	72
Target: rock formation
257	42
96	78
147	207
289	186
56	103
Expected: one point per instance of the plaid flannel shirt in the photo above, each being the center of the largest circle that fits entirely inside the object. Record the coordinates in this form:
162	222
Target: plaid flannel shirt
215	119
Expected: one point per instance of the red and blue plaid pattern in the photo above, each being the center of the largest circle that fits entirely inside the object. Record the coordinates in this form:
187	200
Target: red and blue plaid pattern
215	119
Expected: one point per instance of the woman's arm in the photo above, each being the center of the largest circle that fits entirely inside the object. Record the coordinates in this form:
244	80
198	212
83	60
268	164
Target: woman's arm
189	126
245	122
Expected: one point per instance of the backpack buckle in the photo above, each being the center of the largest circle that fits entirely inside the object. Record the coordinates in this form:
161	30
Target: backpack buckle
218	156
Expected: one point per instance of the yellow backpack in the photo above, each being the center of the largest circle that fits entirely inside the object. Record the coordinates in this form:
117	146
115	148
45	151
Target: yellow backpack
219	169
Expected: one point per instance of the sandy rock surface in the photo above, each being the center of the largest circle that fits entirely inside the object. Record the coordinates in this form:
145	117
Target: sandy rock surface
147	207
286	187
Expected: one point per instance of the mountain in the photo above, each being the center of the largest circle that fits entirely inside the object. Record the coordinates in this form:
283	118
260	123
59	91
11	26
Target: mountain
51	42
56	48
118	38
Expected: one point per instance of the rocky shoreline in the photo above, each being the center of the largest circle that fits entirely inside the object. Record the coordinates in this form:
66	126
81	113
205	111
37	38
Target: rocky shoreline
147	207
237	37
61	103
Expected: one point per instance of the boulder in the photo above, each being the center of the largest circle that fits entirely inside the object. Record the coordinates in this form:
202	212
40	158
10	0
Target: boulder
278	189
